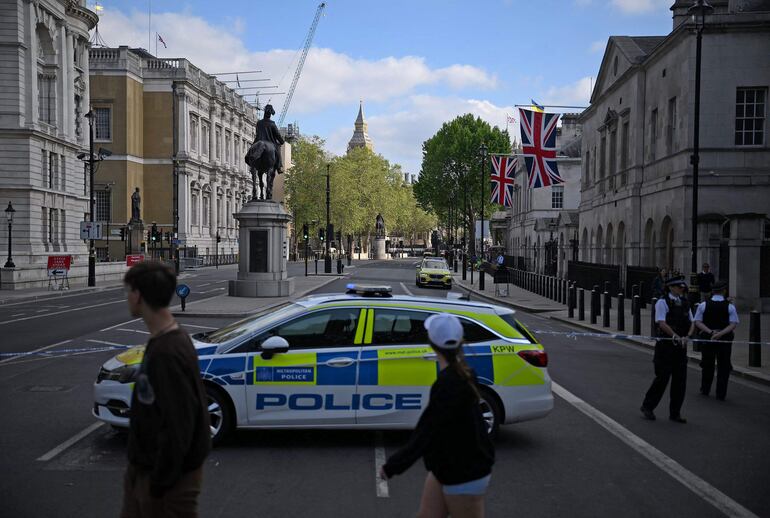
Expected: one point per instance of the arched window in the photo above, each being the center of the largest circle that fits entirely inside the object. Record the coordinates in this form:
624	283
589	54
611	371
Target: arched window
608	246
598	245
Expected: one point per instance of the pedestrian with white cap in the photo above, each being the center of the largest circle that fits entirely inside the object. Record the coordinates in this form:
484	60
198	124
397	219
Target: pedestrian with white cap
451	435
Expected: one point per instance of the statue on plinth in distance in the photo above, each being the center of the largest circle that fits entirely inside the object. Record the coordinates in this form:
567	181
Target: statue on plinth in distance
136	200
379	226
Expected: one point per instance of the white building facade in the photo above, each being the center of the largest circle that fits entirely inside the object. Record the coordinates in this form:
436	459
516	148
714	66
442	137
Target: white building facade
637	193
44	70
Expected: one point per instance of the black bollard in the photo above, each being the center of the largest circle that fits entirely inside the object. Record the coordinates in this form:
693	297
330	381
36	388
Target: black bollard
581	304
621	312
607	290
755	335
636	309
566	291
559	290
606	310
594	304
653	327
316	264
570	304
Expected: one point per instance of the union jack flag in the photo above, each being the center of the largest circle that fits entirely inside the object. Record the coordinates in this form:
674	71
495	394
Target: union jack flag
503	179
538	141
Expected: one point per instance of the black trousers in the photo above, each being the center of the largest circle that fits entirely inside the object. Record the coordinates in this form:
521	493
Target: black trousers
670	363
719	352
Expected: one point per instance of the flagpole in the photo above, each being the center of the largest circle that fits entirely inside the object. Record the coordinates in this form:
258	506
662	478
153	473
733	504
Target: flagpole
149	25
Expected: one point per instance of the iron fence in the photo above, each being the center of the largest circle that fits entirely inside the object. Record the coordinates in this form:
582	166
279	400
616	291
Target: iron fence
587	275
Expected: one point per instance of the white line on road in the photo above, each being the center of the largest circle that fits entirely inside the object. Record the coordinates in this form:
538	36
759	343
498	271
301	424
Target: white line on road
406	289
379	461
205	284
60	312
18	315
134	331
103	342
687	478
34	351
118	325
201	327
69	442
210	291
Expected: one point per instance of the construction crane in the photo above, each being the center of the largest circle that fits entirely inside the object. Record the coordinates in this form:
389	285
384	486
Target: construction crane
301	63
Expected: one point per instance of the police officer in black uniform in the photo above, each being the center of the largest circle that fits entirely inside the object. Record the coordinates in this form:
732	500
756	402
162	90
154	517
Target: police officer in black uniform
674	320
716	319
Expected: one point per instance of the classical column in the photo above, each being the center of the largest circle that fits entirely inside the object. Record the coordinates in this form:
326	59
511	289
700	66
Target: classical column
213	222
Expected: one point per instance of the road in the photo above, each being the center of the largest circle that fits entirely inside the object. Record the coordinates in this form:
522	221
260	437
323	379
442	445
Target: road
593	456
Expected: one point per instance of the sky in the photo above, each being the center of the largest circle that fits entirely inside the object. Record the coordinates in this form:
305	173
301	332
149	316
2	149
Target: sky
414	63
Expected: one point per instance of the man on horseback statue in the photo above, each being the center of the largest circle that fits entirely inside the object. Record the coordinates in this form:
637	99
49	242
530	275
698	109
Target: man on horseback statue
264	155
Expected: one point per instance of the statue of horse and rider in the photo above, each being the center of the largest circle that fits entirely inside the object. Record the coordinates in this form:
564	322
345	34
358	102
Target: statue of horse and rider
264	156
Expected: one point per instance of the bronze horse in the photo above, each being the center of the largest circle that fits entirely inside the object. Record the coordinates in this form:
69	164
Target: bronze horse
261	159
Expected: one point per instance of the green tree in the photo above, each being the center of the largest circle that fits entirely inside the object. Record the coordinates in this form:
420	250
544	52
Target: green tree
451	168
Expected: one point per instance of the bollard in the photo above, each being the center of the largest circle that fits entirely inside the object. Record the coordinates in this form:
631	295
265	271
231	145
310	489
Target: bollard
634	291
607	290
606	310
551	288
566	292
636	309
653	327
316	265
598	300
570	304
755	335
559	291
594	304
582	304
621	312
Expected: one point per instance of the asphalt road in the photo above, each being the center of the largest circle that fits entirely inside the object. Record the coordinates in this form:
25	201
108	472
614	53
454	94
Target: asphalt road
592	456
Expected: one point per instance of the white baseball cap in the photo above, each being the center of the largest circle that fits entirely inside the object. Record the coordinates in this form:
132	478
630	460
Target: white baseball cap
444	330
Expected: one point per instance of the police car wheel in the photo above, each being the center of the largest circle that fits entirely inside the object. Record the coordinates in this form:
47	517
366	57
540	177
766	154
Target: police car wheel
220	414
490	411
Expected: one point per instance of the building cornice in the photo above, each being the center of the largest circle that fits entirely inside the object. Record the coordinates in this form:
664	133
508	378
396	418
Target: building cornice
75	10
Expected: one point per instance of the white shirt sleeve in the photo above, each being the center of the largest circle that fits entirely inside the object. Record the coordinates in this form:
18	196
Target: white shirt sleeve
733	313
661	310
699	312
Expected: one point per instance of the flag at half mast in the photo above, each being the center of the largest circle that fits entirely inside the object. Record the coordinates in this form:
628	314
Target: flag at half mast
538	143
503	179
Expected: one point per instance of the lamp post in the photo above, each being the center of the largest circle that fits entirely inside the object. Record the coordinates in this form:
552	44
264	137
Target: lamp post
465	229
699	10
328	258
91	162
9	216
483	153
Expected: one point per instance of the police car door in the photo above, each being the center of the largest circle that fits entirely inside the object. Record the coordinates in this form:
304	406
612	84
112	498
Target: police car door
313	383
397	368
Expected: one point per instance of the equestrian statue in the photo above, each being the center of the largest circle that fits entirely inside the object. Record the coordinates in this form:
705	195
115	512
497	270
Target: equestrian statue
264	156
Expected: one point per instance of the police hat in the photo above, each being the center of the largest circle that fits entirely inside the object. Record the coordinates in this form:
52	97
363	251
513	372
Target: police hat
677	281
719	286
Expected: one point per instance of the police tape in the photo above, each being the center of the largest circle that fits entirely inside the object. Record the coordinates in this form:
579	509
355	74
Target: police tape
66	352
621	336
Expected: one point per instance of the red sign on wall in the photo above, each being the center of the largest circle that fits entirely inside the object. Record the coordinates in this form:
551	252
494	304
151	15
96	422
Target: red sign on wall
131	260
59	262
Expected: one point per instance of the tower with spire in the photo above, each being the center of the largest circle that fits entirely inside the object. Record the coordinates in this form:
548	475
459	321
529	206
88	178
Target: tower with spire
360	136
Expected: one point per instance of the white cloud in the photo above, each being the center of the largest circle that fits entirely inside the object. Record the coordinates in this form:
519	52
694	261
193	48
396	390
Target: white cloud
598	46
329	78
573	94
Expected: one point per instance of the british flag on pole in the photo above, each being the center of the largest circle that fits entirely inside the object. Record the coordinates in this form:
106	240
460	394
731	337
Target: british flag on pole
538	141
503	179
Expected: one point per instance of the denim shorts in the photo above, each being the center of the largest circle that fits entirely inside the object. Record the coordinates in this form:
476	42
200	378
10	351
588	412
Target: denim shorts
474	487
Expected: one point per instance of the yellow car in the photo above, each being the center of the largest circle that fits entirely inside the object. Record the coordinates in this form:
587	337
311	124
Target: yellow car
433	271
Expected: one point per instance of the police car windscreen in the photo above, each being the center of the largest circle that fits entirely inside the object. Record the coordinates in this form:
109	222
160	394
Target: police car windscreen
435	265
253	323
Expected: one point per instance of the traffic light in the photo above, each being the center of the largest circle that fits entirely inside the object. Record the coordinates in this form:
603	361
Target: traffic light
305	232
154	232
321	234
339	236
219	238
122	233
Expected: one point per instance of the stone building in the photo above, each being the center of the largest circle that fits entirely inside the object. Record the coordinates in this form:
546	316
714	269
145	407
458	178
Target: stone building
134	95
542	223
636	196
43	98
360	136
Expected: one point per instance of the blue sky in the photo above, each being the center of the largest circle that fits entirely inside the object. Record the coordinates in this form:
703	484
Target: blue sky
415	63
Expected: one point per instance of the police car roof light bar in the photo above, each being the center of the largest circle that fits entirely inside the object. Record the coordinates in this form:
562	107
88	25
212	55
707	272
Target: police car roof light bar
369	291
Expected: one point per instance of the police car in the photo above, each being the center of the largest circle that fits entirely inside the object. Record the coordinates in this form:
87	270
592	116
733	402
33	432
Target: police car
358	360
433	271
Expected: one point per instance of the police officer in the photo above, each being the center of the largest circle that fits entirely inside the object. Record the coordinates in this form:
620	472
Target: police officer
674	320
716	319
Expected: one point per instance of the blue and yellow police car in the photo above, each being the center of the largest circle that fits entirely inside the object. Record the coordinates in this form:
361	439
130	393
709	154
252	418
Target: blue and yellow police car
354	360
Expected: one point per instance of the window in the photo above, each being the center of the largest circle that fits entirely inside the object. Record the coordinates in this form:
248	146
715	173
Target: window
194	209
587	173
624	146
332	328
219	212
206	211
194	133
603	157
62	169
44	167
613	156
750	116
392	326
103	202
51	170
51	225
63	226
228	138
557	197
474	333
671	126
218	143
653	132
228	215
102	124
46	98
44	225
205	138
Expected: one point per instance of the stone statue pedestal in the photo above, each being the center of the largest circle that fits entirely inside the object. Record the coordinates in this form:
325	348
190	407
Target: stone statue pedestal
135	236
262	264
378	248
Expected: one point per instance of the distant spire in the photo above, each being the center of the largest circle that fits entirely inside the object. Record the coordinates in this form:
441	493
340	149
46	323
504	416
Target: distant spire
360	136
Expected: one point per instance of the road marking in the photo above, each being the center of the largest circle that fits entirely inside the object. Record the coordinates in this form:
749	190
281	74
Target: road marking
379	461
18	315
119	325
113	344
134	331
34	351
69	442
210	291
60	312
205	284
406	289
687	478
201	327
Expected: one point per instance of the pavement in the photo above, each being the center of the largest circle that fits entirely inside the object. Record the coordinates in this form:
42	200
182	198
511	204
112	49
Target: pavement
524	300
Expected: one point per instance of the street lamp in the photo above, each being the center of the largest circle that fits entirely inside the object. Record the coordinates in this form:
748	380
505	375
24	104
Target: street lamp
9	216
483	154
328	258
698	10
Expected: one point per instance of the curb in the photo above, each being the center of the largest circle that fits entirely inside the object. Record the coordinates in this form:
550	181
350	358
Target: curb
520	307
177	312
